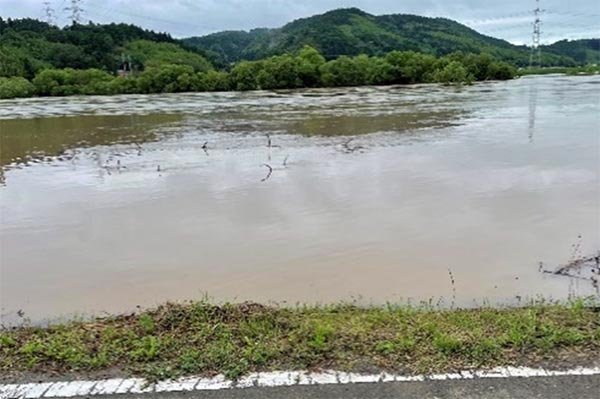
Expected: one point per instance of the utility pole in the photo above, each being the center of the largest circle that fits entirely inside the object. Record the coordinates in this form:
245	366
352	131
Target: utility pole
75	10
535	58
49	12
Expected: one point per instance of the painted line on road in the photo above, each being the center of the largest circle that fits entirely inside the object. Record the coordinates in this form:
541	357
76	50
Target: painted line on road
114	386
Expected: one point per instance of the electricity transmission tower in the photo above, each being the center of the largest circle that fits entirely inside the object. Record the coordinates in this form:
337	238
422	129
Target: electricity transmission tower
535	58
49	12
75	10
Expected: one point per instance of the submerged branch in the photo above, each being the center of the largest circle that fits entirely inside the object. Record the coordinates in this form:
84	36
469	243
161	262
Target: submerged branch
578	264
270	171
351	149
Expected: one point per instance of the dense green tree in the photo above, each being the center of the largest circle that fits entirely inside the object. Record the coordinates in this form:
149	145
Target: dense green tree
213	81
453	73
476	64
498	70
64	82
47	81
12	62
381	71
309	62
411	67
147	54
124	85
15	87
307	68
40	46
345	71
244	75
70	56
164	79
221	46
280	72
484	66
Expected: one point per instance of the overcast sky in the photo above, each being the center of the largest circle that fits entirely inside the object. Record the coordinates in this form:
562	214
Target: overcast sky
507	19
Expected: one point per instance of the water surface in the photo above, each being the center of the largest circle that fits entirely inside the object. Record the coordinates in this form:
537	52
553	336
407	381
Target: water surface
111	202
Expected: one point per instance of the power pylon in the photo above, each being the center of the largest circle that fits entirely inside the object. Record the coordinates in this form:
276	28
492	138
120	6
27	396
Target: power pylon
75	10
49	12
535	58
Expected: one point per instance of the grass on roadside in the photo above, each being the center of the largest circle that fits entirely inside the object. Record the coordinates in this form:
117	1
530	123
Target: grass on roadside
201	338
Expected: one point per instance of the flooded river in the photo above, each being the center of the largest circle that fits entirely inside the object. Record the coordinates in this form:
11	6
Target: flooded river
108	203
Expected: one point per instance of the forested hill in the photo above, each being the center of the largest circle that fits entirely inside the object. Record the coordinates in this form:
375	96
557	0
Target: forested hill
583	51
28	46
352	32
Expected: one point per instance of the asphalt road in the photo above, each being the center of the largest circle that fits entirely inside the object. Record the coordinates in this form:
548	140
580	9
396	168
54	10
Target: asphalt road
571	387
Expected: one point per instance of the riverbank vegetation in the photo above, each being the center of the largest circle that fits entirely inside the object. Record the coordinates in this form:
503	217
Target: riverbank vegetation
200	338
348	47
307	68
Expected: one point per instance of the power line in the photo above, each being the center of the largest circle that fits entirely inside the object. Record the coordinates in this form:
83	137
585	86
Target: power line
555	26
497	19
75	10
105	13
138	16
536	50
575	14
49	13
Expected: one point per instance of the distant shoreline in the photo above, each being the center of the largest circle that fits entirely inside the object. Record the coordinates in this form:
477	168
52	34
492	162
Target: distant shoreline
568	71
305	69
571	71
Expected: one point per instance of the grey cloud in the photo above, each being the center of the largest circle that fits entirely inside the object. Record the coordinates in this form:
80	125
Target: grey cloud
506	19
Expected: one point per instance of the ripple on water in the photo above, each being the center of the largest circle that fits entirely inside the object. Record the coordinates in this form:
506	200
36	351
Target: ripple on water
128	208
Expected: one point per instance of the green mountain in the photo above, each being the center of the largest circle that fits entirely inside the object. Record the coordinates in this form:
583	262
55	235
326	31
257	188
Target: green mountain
352	31
227	46
583	51
28	46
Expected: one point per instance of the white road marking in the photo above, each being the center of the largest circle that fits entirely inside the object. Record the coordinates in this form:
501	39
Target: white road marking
36	390
106	386
68	389
125	386
183	384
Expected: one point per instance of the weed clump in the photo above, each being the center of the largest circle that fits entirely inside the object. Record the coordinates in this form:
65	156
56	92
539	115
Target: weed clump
235	339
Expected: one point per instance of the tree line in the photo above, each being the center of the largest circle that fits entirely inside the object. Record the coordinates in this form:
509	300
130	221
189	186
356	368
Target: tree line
28	46
307	68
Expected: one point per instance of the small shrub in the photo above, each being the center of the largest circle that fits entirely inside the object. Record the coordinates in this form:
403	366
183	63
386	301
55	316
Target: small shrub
16	87
148	348
321	336
447	344
146	324
453	73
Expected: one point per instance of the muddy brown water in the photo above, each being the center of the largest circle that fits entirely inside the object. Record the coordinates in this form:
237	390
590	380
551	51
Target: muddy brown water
111	202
